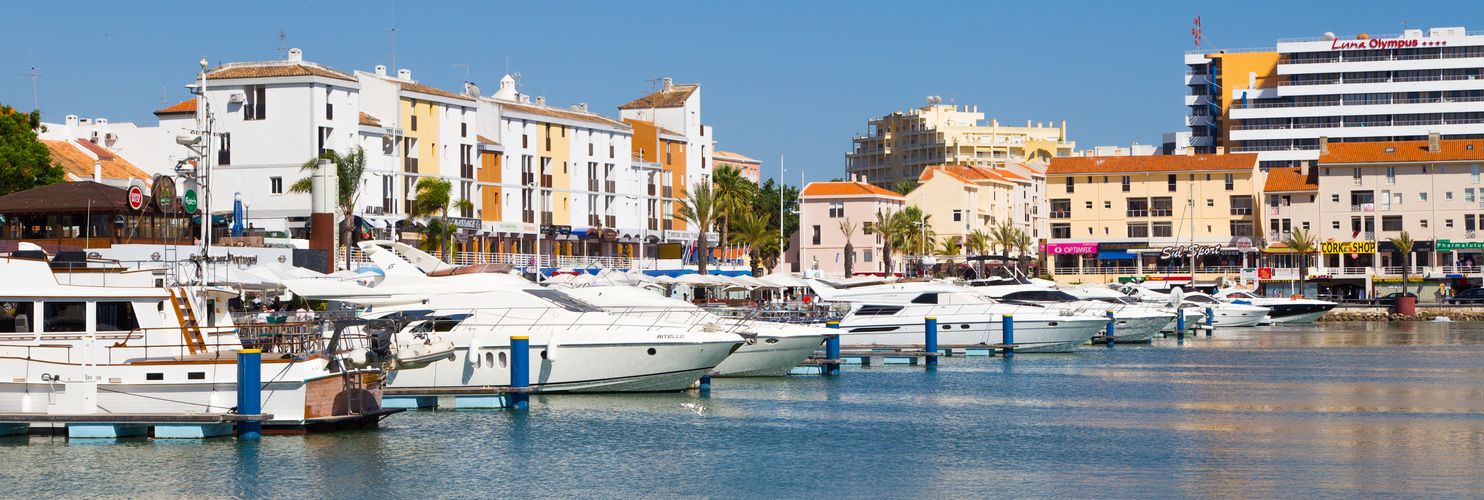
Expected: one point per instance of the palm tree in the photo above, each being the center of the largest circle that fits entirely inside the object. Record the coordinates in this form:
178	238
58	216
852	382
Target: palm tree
348	171
1404	245
1302	242
978	242
734	195
886	228
433	198
914	230
848	230
756	232
1022	244
698	207
1003	236
950	247
904	187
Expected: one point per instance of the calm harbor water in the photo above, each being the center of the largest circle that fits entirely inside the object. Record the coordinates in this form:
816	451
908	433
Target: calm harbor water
1333	410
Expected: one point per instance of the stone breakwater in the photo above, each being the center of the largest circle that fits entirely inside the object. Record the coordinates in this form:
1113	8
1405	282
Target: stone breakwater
1422	315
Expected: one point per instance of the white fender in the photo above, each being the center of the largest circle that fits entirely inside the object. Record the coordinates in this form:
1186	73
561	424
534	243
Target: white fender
551	347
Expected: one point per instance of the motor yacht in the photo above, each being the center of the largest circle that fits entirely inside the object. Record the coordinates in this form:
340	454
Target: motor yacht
1280	309
1131	324
1193	316
1223	314
153	350
894	314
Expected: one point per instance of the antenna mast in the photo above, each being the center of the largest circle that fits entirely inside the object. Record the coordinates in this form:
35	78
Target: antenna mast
35	97
283	51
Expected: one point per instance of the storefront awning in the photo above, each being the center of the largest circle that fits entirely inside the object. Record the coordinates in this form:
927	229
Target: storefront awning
1116	256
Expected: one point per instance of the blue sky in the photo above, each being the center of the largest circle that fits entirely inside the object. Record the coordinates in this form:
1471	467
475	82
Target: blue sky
796	79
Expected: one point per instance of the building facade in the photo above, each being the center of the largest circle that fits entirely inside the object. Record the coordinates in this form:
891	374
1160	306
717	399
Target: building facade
899	146
751	169
962	200
1278	102
823	207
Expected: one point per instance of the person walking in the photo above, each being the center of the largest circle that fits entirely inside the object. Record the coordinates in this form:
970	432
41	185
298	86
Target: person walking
1442	292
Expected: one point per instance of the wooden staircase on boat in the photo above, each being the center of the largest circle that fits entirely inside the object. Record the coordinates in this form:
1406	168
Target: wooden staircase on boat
190	327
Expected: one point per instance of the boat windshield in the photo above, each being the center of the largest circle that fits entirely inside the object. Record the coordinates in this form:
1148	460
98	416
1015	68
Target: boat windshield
1201	299
563	300
1241	295
1041	296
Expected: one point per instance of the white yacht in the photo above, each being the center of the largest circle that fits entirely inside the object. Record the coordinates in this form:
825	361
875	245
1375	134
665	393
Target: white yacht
769	349
894	314
1193	316
575	345
1223	314
1280	309
1132	324
142	349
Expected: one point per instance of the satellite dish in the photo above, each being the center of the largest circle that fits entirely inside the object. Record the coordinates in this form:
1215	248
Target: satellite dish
1176	296
929	99
1329	36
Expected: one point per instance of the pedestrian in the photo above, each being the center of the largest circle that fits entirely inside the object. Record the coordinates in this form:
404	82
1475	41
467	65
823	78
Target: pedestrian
1443	291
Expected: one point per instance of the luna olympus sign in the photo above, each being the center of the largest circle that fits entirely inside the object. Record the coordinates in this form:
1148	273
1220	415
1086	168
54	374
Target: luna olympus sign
1382	44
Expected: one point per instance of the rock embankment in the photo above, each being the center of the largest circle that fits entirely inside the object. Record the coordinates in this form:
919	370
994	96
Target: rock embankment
1422	315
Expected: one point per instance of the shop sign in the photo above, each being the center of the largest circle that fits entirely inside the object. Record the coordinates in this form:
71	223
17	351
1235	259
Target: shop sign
136	197
466	223
1449	245
1341	247
1376	43
1122	247
1071	248
1193	250
1284	274
506	227
673	235
1248	273
1417	246
1244	244
165	193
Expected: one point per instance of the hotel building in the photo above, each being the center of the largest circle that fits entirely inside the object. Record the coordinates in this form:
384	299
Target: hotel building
1278	102
899	146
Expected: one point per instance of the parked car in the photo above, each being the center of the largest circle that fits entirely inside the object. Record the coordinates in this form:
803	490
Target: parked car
1391	299
1470	296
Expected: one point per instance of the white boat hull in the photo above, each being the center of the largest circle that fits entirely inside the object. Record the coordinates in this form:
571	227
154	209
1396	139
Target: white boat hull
1139	329
624	367
1047	334
769	356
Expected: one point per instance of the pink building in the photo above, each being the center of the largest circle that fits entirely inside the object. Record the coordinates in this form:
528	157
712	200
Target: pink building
751	169
824	206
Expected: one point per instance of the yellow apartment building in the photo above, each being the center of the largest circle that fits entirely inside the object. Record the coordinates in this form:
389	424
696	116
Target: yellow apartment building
962	199
900	146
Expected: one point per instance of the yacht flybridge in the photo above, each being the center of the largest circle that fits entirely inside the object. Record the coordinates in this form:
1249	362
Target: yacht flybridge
147	350
894	314
575	345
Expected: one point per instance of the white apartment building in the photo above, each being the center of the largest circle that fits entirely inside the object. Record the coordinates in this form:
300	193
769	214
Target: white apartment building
897	147
1278	102
677	107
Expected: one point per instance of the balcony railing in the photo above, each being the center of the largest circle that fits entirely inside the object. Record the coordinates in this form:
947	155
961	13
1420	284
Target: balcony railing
1278	236
592	185
610	221
666	192
593	220
1138	213
1369	236
610	186
1161	212
651	189
1468	235
528	216
409	165
546	180
1241	210
546	218
1363	207
1061	214
654	224
668	224
527	178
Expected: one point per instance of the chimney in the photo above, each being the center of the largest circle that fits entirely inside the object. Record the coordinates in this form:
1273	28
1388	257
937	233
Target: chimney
381	70
97	171
296	55
1433	145
582	106
669	85
404	74
1220	150
1323	145
540	100
1189	150
1305	167
863	178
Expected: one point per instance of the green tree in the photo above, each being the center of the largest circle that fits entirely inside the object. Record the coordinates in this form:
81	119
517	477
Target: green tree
848	229
734	195
978	242
434	196
1304	243
25	162
1003	236
756	232
1404	245
348	171
904	187
698	207
765	203
949	247
1023	244
914	231
886	227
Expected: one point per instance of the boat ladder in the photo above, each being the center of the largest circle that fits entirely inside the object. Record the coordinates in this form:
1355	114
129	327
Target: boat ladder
353	392
190	328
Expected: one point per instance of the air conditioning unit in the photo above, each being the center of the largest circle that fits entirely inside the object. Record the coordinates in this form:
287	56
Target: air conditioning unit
237	98
95	136
110	136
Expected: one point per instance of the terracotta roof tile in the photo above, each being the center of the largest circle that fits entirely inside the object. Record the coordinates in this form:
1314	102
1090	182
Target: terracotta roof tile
424	89
369	120
671	99
730	156
67	196
563	113
1163	163
272	69
77	163
183	108
845	189
1402	151
486	140
1291	179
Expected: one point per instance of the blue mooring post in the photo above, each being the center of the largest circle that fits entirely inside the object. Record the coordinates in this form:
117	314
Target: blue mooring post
1180	323
249	392
930	339
1112	325
832	349
1008	327
1210	321
520	371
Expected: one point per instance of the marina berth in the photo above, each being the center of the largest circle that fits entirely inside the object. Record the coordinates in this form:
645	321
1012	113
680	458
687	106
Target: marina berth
894	314
74	349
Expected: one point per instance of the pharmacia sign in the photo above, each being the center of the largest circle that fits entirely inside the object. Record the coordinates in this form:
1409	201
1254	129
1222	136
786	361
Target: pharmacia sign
1178	252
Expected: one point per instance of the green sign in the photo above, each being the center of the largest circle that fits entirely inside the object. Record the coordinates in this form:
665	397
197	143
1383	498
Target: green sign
1448	245
189	200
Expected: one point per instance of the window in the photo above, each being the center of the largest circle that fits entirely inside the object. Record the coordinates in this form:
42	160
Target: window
837	209
1306	225
1391	223
867	254
525	140
1172	183
1061	231
1423	222
868	228
1468	195
610	151
1241	205
1161	207
1355	176
1447	222
1210	202
257	103
1468	222
1447	196
116	317
1089	205
1230	185
464	131
1069	185
816	235
1163	230
1138	230
64	317
1107	204
1334	225
1241	228
1396	200
1385	200
958	215
1125	184
275	185
1421	196
1334	198
1473	174
16	317
413	121
1061	209
1138	207
329	111
1390	175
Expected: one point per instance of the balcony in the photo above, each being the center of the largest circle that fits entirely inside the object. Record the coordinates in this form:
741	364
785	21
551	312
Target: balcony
610	186
546	218
1061	214
651	189
610	221
527	178
593	220
666	192
654	224
592	185
1138	213
1198	121
1161	212
528	216
546	180
409	165
1363	207
668	224
223	157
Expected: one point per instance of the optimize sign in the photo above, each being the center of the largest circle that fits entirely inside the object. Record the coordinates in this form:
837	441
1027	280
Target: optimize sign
1334	247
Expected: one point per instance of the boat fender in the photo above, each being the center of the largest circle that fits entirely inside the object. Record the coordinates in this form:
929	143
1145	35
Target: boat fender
360	358
551	348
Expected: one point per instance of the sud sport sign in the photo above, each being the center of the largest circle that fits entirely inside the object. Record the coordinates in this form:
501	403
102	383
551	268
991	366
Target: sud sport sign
1180	252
